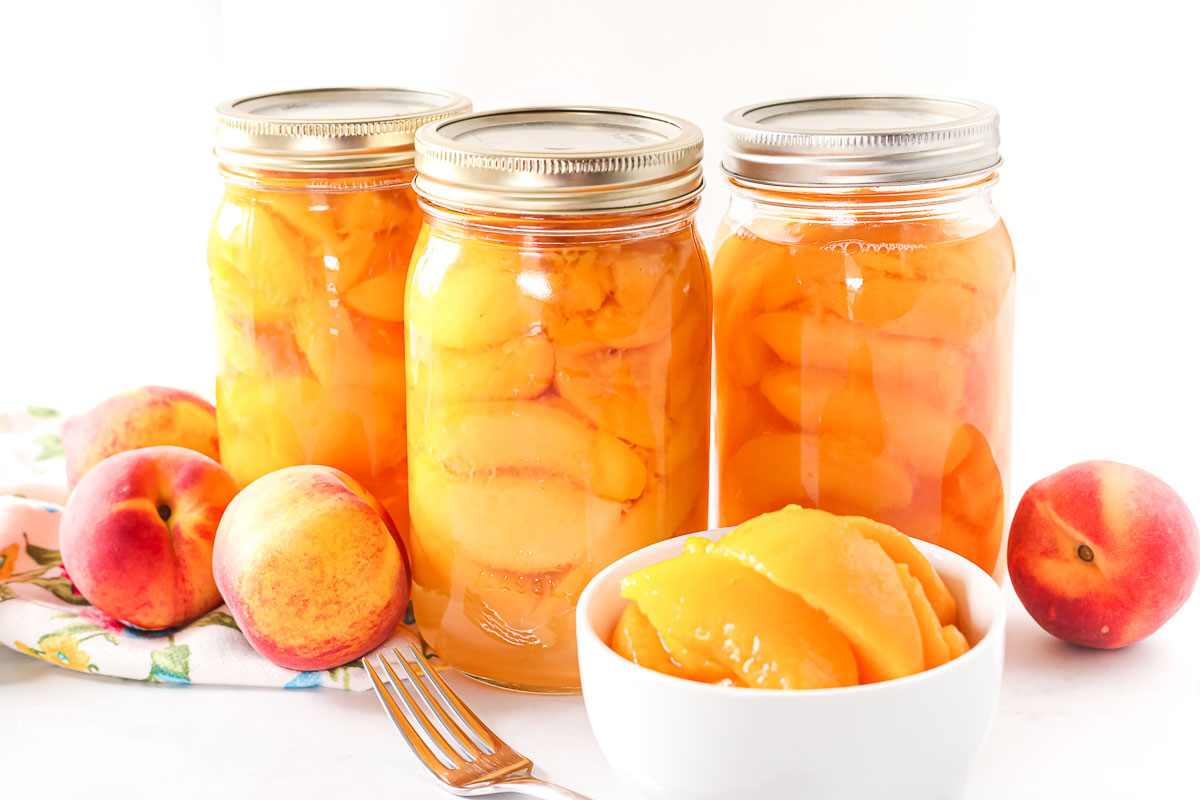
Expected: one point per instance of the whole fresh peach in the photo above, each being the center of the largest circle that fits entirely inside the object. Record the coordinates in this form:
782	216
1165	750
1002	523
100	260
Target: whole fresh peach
151	415
137	535
1102	554
312	572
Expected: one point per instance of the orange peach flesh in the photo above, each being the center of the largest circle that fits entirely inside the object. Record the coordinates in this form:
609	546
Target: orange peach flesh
792	599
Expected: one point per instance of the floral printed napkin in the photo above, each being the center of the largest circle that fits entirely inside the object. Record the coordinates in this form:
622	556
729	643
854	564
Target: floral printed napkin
43	616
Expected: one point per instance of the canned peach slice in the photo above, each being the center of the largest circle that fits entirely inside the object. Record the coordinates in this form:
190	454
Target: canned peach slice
932	367
732	611
764	473
931	310
268	253
901	550
628	391
381	297
521	368
933	645
304	214
478	303
637	640
639	321
838	571
250	346
534	439
831	403
511	523
956	643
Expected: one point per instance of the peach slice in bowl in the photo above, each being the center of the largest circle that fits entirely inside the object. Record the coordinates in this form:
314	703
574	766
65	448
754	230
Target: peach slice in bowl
907	738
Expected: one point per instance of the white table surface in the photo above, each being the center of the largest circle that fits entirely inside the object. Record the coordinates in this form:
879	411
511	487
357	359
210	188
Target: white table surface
1072	723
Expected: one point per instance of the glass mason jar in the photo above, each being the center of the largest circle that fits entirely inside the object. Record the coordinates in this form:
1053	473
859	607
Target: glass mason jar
864	290
558	317
309	253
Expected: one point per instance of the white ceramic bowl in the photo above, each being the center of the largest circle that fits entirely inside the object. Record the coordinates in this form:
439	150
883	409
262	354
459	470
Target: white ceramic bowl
912	738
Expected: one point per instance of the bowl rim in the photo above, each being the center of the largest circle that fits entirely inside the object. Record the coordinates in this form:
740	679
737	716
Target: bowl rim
992	637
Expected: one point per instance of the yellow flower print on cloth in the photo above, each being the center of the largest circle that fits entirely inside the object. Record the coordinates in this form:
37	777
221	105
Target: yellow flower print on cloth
61	649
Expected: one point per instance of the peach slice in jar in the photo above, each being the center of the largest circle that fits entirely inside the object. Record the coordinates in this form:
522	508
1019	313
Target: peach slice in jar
513	523
534	439
630	391
516	369
840	572
475	296
931	367
972	503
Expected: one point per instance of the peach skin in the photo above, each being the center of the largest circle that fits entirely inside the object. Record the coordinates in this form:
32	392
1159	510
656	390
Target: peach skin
151	415
1102	554
312	573
137	535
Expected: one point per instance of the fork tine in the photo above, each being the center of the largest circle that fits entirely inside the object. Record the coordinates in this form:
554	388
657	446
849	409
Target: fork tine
420	716
419	748
464	714
455	730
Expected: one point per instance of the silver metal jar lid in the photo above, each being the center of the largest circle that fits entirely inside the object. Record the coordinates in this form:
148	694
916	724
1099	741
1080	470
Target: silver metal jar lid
342	129
559	160
860	140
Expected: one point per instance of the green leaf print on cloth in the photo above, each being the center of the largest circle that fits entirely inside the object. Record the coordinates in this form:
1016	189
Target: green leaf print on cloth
52	447
170	665
43	556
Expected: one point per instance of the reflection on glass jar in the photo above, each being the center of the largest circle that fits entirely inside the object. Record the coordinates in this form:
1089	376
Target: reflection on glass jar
558	402
864	320
308	254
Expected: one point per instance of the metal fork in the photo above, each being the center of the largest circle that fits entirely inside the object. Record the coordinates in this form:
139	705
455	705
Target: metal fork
480	764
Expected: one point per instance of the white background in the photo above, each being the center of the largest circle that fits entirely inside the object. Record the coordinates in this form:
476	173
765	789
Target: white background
109	186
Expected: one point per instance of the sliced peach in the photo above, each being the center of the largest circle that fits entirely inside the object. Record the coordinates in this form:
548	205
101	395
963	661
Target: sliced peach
766	473
851	478
901	550
771	471
880	415
934	368
538	440
478	299
839	571
766	636
305	214
512	523
519	368
972	504
621	391
956	643
381	297
636	639
932	643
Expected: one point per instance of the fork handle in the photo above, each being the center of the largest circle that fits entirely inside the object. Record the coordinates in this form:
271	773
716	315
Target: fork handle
534	787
